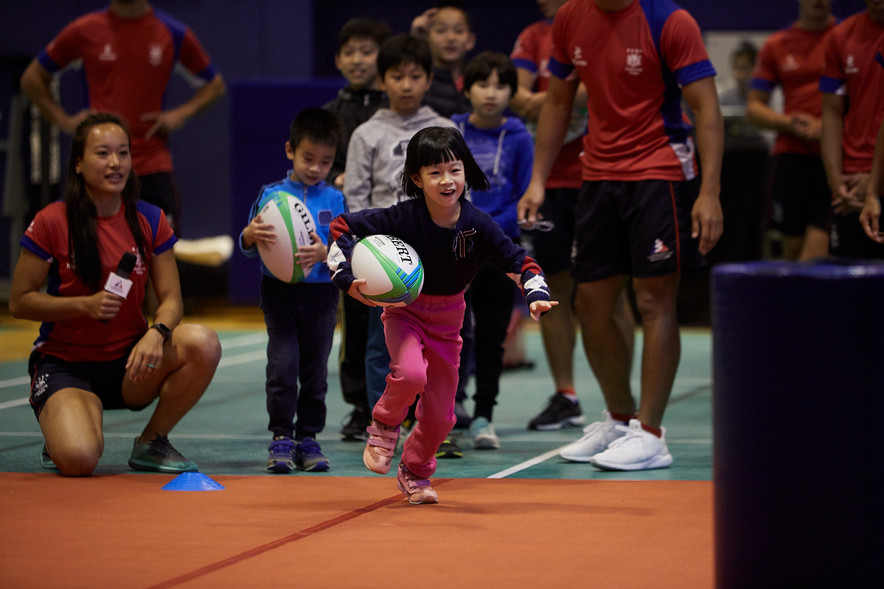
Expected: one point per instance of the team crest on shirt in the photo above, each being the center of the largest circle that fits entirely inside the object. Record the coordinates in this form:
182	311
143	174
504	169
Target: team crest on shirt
577	57
140	266
156	54
107	54
659	252
633	62
790	63
850	67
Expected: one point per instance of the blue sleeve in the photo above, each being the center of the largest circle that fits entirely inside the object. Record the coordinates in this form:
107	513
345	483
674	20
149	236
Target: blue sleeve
524	165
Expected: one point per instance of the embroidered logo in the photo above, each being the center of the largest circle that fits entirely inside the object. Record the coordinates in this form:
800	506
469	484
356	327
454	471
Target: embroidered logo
577	57
140	266
660	252
633	62
40	385
790	63
850	67
156	54
107	54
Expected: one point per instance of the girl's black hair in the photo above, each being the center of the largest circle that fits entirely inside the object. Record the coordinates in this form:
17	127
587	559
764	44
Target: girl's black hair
437	145
82	216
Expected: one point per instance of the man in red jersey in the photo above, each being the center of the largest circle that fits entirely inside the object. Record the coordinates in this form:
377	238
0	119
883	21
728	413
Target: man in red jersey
871	213
553	249
128	53
852	85
791	58
643	211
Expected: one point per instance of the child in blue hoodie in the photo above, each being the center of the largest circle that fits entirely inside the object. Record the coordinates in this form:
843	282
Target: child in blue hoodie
504	150
300	317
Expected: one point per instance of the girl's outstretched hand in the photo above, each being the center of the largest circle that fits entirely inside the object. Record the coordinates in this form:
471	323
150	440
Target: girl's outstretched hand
356	294
538	308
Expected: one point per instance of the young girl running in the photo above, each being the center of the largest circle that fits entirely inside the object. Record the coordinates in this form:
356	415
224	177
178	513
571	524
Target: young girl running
453	239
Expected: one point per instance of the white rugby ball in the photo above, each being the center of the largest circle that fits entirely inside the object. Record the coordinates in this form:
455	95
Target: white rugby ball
392	270
292	223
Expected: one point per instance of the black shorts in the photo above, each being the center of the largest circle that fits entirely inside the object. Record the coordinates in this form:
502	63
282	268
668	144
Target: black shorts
641	228
554	249
159	189
104	379
800	192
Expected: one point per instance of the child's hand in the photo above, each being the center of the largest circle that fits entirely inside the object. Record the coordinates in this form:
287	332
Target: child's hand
312	254
538	308
339	181
420	26
258	231
356	294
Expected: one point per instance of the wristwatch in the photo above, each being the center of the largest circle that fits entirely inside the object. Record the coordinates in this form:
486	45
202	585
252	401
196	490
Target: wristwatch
164	331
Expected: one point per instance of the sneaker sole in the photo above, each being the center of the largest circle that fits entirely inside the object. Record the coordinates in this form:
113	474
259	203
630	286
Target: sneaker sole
318	467
486	444
281	467
569	422
581	459
425	501
156	468
660	461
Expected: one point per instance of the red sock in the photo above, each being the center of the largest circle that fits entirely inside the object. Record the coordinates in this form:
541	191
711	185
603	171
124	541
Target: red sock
570	393
653	430
624	417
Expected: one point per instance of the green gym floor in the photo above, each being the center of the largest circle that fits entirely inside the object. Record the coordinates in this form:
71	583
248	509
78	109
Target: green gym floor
226	432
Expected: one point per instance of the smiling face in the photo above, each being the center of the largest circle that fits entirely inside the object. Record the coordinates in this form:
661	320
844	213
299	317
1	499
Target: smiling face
311	161
357	61
442	184
106	161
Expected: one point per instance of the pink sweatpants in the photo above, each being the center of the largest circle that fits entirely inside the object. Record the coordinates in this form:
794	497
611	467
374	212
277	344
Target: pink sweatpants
424	343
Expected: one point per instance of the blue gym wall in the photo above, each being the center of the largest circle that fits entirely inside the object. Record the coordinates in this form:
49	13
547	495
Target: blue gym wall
277	57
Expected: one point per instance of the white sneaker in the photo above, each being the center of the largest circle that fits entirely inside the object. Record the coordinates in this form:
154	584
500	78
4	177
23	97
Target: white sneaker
636	450
483	434
596	437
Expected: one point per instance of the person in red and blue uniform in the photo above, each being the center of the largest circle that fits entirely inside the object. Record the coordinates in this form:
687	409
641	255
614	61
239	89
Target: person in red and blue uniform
871	213
791	58
127	54
95	350
852	85
643	212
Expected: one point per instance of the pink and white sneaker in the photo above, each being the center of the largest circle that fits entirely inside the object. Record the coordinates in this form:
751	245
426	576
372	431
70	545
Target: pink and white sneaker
381	445
417	490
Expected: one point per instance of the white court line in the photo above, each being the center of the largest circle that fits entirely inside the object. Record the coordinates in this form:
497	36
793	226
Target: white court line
243	341
242	358
235	360
14	382
16	403
527	464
